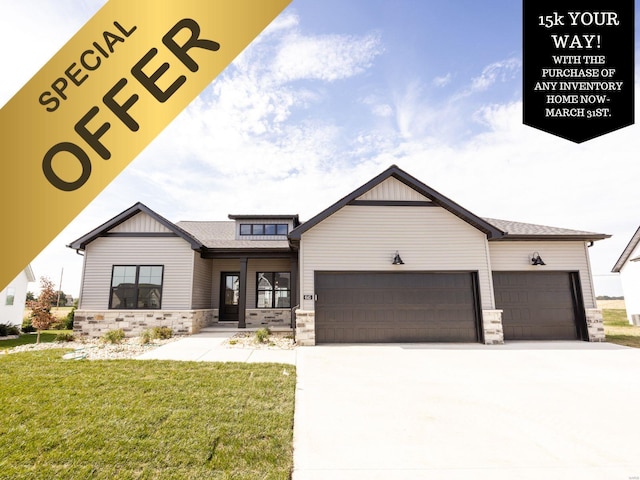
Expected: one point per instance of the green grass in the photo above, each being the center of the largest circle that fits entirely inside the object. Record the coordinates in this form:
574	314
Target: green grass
618	330
132	419
46	336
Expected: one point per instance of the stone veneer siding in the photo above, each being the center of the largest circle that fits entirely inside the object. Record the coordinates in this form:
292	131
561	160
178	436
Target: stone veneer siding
89	323
492	326
268	318
305	327
595	325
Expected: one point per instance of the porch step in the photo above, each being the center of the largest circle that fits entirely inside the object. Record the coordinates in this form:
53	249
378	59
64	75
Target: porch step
234	328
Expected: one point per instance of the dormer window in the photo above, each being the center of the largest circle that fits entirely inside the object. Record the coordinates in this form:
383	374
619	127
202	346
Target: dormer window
263	229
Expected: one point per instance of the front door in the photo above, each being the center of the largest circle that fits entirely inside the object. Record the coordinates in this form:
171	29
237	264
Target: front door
229	296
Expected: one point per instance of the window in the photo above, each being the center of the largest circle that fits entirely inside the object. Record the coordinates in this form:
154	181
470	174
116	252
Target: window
136	286
264	229
11	295
274	290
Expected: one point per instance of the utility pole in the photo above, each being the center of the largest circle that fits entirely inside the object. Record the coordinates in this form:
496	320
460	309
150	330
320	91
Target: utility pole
59	289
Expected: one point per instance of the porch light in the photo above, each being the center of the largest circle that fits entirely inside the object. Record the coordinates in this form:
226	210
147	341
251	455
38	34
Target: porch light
536	260
397	260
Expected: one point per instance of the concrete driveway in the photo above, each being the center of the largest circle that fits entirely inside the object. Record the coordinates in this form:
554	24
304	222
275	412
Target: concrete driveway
551	410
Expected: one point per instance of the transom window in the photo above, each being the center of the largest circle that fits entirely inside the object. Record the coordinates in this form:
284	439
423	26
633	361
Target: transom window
263	229
274	290
136	287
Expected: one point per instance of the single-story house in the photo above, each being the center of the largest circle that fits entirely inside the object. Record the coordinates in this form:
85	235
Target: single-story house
393	261
13	297
628	266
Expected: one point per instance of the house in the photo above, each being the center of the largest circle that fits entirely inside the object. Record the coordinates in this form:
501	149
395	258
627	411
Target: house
628	266
13	298
393	261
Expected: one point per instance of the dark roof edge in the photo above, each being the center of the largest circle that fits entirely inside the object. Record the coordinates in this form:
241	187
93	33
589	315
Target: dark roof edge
122	217
551	237
626	253
394	171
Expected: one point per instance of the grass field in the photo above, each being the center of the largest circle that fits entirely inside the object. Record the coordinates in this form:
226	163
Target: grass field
131	419
618	330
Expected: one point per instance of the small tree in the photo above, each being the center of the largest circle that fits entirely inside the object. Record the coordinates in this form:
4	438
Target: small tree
41	317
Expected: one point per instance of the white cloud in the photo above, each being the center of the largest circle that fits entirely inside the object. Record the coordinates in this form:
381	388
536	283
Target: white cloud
442	81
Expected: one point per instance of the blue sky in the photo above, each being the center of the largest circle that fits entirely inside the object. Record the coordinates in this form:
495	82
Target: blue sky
333	93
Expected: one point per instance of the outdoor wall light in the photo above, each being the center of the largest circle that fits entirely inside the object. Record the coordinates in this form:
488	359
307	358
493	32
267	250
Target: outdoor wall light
397	260
536	260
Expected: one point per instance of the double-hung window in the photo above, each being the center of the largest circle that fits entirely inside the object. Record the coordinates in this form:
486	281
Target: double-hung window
136	287
274	290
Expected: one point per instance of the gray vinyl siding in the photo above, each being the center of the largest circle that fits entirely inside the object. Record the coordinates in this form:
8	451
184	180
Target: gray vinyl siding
558	255
202	277
174	253
253	267
365	238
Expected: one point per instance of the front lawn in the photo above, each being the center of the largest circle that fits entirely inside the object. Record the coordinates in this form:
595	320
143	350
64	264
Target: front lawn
138	419
46	336
618	330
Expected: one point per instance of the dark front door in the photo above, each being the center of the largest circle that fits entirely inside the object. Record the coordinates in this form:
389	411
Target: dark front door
229	296
372	307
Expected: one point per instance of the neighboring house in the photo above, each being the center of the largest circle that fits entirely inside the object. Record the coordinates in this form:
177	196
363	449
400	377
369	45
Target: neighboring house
13	298
393	261
628	266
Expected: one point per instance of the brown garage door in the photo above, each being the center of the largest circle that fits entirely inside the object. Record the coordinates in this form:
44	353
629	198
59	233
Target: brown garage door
538	305
372	307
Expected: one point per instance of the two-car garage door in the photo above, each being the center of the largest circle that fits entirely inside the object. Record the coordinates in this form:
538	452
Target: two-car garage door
374	307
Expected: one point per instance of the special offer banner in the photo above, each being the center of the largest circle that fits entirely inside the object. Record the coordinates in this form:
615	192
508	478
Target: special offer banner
101	100
578	66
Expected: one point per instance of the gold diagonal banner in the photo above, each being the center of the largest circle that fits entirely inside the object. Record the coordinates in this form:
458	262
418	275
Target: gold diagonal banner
101	100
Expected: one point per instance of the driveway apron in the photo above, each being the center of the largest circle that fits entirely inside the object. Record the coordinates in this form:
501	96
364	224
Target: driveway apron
546	410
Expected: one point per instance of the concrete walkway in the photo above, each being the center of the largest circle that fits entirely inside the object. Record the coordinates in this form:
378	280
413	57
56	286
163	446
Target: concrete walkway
207	347
527	411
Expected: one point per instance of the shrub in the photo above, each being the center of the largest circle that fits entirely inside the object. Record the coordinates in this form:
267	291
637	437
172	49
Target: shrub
64	337
68	320
26	325
145	337
4	329
161	333
13	330
113	336
262	335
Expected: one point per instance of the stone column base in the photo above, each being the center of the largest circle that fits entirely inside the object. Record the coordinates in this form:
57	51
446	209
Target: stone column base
595	324
305	327
492	327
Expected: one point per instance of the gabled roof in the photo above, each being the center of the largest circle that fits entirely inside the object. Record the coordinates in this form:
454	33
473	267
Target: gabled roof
29	273
490	230
627	252
83	241
531	231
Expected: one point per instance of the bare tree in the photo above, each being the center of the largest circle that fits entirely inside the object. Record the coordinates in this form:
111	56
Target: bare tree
41	317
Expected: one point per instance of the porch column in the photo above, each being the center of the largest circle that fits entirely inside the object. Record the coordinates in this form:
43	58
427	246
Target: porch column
295	298
242	301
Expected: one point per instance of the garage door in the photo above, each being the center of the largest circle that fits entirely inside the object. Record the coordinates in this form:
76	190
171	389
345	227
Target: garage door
377	307
538	305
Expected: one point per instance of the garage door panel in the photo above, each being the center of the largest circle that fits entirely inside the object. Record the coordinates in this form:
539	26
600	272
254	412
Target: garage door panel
383	307
536	305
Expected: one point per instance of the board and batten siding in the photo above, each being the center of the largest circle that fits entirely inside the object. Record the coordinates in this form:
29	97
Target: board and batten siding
393	190
561	256
365	238
173	252
141	222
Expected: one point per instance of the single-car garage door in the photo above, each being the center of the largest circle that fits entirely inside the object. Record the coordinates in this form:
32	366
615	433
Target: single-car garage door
539	305
372	307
